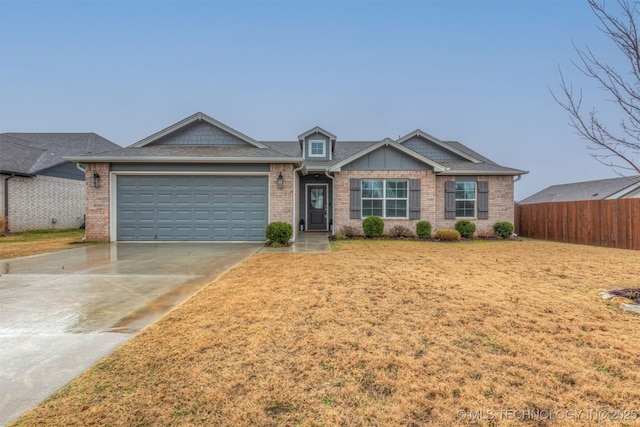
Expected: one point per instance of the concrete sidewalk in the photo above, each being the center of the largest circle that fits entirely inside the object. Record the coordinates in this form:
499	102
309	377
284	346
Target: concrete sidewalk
62	312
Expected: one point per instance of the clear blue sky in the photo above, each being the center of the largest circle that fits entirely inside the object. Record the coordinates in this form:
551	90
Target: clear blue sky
472	71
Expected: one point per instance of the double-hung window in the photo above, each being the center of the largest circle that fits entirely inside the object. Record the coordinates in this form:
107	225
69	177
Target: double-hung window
385	198
465	199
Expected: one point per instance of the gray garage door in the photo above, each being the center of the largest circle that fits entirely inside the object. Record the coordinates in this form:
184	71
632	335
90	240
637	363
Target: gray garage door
213	208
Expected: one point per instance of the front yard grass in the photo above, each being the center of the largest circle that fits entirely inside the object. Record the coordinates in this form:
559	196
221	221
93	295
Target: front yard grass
40	241
381	333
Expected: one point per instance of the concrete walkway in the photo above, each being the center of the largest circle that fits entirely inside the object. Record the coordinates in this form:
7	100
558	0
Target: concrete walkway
62	312
306	241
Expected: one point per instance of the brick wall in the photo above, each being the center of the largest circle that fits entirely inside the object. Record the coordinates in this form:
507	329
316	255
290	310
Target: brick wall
500	204
98	209
342	194
35	202
281	200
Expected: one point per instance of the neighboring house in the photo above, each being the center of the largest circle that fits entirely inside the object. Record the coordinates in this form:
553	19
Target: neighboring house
202	180
39	189
602	189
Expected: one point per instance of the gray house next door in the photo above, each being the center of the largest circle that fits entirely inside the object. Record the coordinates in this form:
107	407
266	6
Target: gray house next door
191	207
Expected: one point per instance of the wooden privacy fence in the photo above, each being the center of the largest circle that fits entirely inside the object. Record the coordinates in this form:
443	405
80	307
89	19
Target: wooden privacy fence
613	223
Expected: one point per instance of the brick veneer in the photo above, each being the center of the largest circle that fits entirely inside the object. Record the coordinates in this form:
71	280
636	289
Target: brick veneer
500	204
342	195
35	202
281	200
431	200
98	209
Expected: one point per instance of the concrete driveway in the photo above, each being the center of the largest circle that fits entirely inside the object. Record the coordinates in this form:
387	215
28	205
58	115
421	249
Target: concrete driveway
62	312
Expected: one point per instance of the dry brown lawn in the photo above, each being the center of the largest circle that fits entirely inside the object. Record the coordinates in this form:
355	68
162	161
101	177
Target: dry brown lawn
40	241
382	333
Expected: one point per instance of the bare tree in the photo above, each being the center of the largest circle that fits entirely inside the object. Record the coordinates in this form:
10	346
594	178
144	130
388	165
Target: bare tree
618	148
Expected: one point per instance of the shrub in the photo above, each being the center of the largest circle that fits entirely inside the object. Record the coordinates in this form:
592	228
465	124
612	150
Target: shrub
400	231
448	234
423	229
279	232
465	228
503	230
373	226
349	231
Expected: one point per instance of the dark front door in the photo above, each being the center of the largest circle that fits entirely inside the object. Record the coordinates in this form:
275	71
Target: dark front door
317	207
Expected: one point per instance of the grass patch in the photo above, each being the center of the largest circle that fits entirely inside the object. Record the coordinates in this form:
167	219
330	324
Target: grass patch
40	241
377	333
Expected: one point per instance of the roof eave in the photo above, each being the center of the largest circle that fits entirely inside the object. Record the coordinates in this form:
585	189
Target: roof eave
185	159
482	172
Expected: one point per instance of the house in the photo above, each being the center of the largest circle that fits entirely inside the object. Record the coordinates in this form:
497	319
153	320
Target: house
39	189
602	189
199	179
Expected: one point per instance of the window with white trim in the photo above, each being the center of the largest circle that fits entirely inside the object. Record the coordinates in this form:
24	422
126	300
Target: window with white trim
465	199
385	198
317	148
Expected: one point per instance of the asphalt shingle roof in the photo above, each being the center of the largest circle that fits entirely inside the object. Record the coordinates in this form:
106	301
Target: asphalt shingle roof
283	151
586	190
30	153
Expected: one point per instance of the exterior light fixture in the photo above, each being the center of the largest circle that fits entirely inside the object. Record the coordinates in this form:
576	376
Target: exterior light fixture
280	181
95	180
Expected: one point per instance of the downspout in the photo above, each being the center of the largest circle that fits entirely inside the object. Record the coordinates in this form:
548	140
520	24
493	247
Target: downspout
293	199
85	198
333	205
6	202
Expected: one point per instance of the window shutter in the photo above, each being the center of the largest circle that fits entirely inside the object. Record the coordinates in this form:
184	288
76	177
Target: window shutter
414	199
449	200
483	199
355	199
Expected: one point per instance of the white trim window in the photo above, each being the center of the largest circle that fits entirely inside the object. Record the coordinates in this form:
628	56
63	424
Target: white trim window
317	148
385	198
465	199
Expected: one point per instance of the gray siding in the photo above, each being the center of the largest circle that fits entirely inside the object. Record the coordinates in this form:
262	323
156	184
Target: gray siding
326	142
188	167
386	158
201	134
65	170
431	150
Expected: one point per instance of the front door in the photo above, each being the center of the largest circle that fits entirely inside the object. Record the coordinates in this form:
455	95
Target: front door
317	207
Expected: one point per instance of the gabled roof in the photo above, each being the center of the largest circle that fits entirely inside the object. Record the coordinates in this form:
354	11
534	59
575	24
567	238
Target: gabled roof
317	129
30	153
193	119
601	189
436	141
390	143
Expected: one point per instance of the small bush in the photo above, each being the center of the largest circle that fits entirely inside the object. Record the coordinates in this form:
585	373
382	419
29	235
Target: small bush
448	234
279	232
373	226
465	228
503	230
340	236
423	229
349	231
400	231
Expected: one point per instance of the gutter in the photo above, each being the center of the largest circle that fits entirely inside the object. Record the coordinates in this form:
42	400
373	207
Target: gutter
333	205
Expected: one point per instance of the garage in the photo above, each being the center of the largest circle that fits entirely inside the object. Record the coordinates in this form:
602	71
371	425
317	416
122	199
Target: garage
191	207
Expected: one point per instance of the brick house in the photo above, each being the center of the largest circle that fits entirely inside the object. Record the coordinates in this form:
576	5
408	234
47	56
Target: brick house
199	179
39	189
